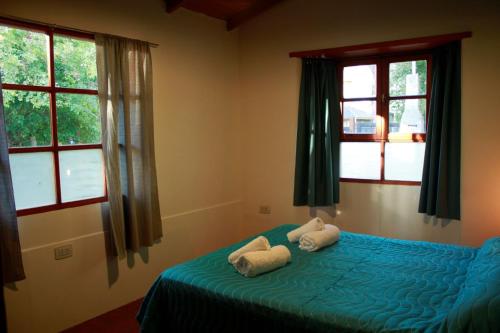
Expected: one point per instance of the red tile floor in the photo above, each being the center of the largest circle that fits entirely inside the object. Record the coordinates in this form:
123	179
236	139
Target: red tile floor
121	320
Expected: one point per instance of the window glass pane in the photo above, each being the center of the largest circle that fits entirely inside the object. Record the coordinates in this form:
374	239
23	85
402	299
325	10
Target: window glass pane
360	160
78	119
33	179
75	63
24	56
408	78
82	174
360	117
360	81
404	161
27	118
407	115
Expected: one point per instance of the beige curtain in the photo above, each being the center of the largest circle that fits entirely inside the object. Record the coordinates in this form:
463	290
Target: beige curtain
126	101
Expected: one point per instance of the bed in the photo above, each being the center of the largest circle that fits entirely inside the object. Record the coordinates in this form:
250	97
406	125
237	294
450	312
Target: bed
361	284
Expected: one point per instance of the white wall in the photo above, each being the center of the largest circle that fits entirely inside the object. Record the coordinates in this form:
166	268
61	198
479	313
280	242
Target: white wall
197	125
269	99
60	294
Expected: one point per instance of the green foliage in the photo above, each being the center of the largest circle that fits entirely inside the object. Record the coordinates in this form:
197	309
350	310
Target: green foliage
397	86
23	57
397	107
78	119
75	63
398	72
24	60
27	115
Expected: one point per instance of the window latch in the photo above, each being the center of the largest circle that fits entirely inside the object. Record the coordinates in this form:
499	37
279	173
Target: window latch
383	98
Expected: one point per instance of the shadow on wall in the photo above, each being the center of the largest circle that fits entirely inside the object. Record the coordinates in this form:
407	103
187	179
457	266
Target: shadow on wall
11	286
436	221
331	211
111	254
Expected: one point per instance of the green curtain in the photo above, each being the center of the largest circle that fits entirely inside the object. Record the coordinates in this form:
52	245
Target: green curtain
317	157
440	192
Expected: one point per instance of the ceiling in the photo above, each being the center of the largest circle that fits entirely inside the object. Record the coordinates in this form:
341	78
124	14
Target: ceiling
234	12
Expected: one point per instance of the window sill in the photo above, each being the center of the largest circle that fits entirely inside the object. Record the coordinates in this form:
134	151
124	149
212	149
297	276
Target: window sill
44	209
383	182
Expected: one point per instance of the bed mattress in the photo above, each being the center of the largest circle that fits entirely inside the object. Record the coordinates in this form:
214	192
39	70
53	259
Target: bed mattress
362	283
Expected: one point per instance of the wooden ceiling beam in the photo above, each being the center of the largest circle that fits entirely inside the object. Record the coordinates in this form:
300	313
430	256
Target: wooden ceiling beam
259	7
173	5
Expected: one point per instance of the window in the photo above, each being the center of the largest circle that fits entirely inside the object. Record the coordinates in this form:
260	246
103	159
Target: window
52	117
384	104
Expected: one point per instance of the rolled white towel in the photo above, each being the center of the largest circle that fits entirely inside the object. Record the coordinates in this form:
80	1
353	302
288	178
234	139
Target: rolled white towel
254	263
258	244
315	240
314	225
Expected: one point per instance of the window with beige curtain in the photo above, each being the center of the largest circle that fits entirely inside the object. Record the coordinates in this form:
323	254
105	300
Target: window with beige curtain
124	73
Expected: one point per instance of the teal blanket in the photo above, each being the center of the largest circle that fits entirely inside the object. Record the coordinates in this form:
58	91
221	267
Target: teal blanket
361	284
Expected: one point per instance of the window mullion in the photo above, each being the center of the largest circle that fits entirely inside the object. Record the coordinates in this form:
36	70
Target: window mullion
53	113
384	100
383	111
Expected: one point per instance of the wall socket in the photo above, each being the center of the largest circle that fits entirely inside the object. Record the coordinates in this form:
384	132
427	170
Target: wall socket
265	210
63	252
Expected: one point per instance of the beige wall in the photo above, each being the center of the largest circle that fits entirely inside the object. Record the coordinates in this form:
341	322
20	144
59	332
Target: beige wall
225	125
197	149
269	99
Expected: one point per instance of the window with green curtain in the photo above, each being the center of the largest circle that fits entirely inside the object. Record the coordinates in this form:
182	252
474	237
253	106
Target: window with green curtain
440	192
317	155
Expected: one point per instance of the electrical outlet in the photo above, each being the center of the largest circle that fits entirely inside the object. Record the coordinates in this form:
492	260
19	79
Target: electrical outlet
265	210
63	252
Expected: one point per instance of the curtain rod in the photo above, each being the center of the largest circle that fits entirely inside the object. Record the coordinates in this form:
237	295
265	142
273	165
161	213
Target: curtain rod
56	26
401	45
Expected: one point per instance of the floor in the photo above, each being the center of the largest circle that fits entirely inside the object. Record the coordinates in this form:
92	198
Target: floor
121	320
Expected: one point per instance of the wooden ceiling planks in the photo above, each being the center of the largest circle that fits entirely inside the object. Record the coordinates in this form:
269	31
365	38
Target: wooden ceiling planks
234	12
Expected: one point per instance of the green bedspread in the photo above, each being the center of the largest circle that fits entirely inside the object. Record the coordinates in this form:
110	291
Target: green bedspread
361	284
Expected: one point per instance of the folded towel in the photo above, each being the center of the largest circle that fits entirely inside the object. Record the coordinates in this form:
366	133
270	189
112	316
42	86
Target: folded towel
258	244
254	263
315	240
313	225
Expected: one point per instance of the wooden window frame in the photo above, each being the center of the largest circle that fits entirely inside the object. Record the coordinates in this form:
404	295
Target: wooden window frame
412	47
382	99
53	90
